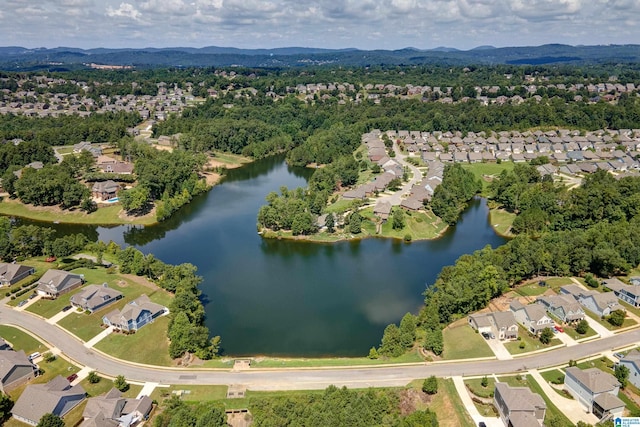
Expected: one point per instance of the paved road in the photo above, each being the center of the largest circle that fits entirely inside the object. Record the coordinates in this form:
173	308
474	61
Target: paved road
395	198
301	379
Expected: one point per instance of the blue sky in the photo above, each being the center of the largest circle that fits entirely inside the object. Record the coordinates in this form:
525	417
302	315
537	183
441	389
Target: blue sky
365	24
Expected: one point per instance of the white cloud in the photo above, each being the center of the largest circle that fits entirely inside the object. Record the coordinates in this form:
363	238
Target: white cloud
545	9
126	10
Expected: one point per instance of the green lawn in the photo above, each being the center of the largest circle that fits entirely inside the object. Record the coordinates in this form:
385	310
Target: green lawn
341	205
51	370
107	215
602	363
419	225
230	158
410	357
480	170
448	406
571	331
501	221
628	322
552	410
556	282
150	343
531	343
21	340
557	376
463	342
192	393
475	386
530	290
104	385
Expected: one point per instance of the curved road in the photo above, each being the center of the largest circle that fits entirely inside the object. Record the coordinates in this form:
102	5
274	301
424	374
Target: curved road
301	379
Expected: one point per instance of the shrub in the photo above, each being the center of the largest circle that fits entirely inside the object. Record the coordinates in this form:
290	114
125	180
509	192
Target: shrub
430	385
522	345
407	238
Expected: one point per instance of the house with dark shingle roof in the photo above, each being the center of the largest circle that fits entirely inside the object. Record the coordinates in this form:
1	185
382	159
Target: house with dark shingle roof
95	297
135	315
12	273
54	283
57	397
564	307
105	190
627	293
596	390
114	410
533	316
15	369
519	406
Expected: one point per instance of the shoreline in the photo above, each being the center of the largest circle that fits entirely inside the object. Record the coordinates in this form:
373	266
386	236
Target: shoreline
108	214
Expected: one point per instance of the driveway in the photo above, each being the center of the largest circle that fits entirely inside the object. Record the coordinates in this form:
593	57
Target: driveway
499	349
600	330
566	339
572	409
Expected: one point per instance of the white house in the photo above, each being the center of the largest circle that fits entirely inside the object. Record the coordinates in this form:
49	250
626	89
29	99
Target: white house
533	316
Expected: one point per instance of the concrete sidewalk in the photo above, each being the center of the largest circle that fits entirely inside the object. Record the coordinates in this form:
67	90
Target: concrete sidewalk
95	340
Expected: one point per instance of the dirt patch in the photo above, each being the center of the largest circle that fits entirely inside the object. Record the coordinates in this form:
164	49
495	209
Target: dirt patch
212	178
162	147
131	218
412	400
140	281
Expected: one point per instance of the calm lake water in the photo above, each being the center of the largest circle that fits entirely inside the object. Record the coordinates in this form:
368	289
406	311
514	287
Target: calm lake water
270	297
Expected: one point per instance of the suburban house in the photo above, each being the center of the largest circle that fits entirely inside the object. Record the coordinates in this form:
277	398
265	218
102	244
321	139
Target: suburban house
112	409
627	293
564	307
632	361
105	190
519	406
11	274
135	315
57	397
15	369
502	324
382	210
533	316
54	283
596	390
94	297
599	303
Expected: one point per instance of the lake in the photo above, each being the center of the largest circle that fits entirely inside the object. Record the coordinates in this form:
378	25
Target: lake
290	298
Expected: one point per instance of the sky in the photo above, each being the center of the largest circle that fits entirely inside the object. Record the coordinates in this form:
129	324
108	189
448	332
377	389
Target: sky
363	24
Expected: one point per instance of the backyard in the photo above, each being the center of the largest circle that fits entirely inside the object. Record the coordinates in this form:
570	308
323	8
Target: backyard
463	342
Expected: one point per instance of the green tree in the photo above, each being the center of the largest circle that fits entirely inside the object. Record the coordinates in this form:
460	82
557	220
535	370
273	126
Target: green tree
391	345
398	222
135	199
330	222
93	377
434	342
214	416
582	327
616	318
622	374
121	383
50	420
373	353
546	335
484	382
6	404
408	330
430	385
355	223
424	418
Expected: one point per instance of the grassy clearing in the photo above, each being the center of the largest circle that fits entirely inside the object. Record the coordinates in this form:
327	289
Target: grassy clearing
150	342
340	205
447	404
104	385
530	290
419	225
530	343
463	342
501	221
192	393
21	340
556	282
552	410
107	215
231	159
411	357
475	386
484	172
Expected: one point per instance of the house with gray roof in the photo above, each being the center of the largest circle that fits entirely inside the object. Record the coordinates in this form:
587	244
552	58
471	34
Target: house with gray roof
113	410
54	283
135	315
15	369
519	406
600	303
563	307
533	316
632	362
596	390
502	324
105	190
95	297
627	293
57	397
11	274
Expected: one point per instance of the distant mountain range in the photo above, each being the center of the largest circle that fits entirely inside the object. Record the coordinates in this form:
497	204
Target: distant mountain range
63	58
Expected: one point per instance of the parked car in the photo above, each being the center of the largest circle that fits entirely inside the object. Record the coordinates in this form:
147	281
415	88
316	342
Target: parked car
486	335
558	328
482	424
50	259
72	377
66	308
33	295
23	302
619	355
